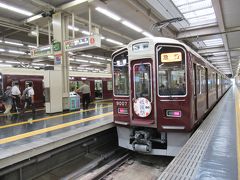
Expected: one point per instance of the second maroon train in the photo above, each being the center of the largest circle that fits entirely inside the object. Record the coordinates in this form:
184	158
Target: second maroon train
100	84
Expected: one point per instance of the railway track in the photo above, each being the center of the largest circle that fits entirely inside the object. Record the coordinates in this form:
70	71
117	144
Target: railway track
128	165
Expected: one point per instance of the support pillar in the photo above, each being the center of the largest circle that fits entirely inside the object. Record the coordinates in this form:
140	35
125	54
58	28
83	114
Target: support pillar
58	79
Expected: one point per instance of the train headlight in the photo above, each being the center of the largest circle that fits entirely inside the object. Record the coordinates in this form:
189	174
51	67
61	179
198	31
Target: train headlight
173	113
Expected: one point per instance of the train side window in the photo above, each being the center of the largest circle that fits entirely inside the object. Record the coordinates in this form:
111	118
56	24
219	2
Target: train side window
198	80
120	76
13	82
194	79
27	82
210	80
213	80
203	80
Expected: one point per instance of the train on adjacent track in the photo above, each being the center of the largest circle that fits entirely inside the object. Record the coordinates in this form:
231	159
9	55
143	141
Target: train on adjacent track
162	90
100	83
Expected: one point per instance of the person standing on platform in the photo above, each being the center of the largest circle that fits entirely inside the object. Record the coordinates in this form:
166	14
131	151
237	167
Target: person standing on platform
28	97
7	100
16	94
85	91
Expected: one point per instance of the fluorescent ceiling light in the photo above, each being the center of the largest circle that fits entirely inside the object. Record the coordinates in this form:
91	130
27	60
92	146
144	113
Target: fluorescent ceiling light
34	18
30	46
71	28
114	42
102	37
16	52
80	60
51	57
108	13
38	64
108	59
85	55
100	58
12	62
71	53
34	33
86	32
147	34
94	62
2	50
15	9
5	65
13	43
132	26
0	61
71	59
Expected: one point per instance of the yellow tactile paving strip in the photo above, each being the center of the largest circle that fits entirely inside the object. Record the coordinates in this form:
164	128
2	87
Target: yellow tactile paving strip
53	128
237	104
50	117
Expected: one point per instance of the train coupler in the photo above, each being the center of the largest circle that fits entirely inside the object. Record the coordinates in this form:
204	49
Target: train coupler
142	142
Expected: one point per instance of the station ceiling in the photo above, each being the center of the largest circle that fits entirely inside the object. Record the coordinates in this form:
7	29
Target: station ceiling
210	27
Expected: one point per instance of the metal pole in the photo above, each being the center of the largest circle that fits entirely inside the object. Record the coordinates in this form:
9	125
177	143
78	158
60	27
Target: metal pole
37	31
90	19
49	32
73	25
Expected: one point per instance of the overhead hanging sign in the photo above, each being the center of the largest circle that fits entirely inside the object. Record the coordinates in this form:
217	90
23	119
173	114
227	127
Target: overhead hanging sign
42	51
87	42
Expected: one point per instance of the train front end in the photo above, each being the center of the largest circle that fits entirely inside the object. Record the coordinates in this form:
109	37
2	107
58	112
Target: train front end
152	103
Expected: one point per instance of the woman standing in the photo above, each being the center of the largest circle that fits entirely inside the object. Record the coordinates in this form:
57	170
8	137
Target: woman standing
7	101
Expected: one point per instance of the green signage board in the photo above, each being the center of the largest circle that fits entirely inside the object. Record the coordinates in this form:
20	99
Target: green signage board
57	46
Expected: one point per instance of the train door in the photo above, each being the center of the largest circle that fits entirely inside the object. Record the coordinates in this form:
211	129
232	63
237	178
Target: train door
206	87
142	93
195	90
1	85
216	85
98	89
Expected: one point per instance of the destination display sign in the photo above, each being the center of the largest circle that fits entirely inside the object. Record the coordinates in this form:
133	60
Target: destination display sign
87	42
42	51
171	57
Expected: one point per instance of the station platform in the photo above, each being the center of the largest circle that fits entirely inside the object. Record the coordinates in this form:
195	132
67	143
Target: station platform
25	136
212	151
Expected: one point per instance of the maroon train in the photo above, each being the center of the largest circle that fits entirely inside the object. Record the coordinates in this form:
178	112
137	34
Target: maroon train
101	87
162	91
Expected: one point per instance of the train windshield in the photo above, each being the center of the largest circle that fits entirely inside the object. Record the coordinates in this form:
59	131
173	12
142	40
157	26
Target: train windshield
121	78
142	80
171	71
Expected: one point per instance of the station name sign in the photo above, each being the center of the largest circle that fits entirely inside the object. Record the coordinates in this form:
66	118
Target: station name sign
87	42
42	51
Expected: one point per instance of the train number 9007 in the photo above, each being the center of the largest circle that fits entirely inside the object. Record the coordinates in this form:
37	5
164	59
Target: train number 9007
121	103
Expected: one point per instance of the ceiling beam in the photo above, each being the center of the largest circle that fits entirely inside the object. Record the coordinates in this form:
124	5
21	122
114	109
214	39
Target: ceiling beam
198	32
211	50
218	11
